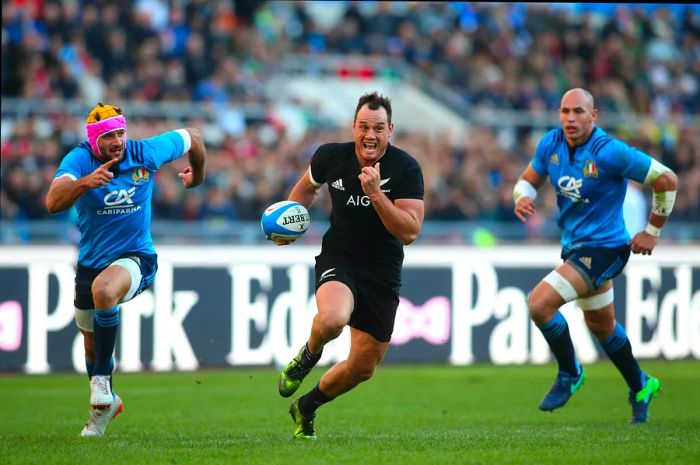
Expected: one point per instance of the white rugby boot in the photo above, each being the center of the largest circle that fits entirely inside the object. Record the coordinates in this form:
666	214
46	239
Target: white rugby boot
99	418
100	392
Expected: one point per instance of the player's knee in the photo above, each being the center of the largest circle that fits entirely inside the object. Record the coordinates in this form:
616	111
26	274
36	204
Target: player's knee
104	294
601	327
361	373
330	325
539	309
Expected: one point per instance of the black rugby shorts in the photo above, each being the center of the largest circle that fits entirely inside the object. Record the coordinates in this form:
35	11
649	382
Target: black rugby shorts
376	297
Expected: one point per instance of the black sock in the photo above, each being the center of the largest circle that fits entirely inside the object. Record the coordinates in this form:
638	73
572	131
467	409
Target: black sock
312	400
308	359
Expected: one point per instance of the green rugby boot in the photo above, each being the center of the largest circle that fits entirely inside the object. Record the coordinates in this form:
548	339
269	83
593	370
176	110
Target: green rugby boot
294	373
640	400
305	425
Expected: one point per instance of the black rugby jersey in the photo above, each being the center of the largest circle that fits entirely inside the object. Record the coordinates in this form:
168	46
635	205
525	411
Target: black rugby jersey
355	228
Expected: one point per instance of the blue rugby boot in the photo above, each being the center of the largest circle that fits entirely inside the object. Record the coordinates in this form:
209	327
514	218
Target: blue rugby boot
640	400
305	425
563	388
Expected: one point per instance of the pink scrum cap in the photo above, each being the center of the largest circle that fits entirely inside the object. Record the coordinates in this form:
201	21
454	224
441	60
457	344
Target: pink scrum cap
101	120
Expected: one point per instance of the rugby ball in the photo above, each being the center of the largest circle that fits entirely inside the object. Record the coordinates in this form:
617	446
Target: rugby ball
285	221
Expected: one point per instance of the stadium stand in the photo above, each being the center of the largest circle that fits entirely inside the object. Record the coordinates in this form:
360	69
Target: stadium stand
208	64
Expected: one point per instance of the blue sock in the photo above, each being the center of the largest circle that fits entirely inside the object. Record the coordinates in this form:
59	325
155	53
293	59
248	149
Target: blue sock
105	338
619	350
556	333
90	367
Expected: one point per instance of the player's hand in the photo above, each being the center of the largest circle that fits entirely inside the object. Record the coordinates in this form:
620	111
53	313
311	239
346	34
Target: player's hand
279	241
643	243
101	176
187	176
524	207
369	179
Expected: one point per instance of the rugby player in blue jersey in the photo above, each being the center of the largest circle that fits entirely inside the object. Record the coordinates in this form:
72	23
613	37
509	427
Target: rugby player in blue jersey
589	170
109	179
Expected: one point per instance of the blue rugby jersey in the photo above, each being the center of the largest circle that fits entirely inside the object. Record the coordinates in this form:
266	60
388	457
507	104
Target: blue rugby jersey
116	218
590	181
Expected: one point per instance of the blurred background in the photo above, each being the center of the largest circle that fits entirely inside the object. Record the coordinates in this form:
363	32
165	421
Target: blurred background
474	86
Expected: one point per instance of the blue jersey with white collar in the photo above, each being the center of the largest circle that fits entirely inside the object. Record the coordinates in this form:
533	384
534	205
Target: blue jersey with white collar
590	181
116	218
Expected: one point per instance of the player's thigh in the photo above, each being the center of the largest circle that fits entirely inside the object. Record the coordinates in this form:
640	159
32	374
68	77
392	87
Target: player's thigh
335	301
560	286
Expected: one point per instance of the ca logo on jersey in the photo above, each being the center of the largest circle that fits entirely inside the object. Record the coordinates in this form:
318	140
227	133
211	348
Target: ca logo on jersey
116	198
119	201
570	188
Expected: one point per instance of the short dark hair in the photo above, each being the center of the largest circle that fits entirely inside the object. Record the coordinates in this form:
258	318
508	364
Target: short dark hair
374	100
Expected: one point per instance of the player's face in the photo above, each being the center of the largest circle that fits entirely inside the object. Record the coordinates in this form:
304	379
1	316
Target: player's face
372	131
577	117
112	144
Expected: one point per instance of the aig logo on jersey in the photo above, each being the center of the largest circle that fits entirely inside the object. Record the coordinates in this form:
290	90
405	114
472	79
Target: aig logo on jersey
570	188
119	202
140	175
363	200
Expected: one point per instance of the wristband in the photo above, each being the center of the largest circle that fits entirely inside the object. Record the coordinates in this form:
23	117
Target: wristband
652	230
523	188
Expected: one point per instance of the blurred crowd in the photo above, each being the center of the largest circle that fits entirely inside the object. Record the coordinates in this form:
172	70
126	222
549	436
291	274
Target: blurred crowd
634	59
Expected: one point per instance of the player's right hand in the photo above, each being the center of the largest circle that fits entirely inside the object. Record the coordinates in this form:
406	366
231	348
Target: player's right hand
524	207
278	241
101	176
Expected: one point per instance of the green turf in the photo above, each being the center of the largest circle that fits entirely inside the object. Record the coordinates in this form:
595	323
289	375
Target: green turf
404	415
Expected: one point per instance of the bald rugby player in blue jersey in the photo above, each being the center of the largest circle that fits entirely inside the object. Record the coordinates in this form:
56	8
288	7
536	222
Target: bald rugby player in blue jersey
109	180
589	170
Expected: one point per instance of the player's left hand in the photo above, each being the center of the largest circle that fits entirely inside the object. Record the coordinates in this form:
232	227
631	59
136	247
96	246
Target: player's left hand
643	243
369	179
187	177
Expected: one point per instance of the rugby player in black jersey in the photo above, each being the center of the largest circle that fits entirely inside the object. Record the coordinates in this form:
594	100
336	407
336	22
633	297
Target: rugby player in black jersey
376	192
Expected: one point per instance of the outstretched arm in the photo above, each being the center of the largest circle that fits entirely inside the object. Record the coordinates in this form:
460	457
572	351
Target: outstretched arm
525	192
194	175
64	191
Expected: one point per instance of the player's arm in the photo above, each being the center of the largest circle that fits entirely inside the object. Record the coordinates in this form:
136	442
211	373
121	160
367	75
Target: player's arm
194	174
65	191
403	218
525	192
304	191
665	184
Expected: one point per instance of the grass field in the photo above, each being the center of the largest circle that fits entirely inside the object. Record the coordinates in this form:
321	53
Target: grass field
404	415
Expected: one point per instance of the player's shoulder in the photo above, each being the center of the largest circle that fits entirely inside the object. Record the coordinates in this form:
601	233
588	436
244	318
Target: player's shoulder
554	137
602	144
400	156
82	150
80	155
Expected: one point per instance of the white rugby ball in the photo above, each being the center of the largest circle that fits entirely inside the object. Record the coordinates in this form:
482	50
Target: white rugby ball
285	221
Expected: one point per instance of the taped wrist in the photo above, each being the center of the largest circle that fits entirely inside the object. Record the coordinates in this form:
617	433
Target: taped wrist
662	202
522	189
652	230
